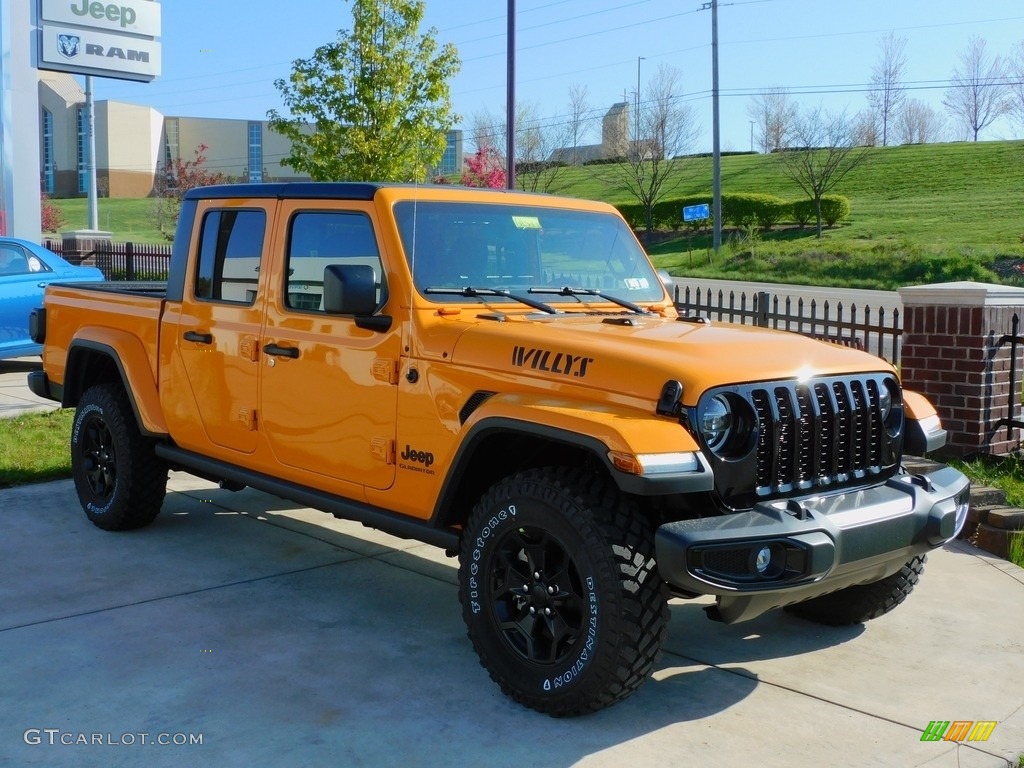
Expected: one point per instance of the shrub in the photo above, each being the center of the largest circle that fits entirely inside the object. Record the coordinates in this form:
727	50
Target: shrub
633	213
803	212
745	209
834	208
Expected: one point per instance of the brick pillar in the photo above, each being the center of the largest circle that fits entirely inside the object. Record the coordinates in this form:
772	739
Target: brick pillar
80	243
953	355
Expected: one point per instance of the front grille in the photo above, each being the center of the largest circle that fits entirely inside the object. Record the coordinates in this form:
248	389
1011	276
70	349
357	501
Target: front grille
816	434
807	437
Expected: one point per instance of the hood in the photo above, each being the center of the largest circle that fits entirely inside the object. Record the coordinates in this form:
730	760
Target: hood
636	354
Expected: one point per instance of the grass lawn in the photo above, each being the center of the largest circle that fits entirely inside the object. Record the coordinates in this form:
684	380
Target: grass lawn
129	220
34	447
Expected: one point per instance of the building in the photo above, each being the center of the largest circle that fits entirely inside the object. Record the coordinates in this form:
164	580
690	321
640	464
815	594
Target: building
135	145
614	140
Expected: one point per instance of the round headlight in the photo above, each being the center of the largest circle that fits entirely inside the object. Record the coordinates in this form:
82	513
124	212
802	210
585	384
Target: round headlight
884	401
716	422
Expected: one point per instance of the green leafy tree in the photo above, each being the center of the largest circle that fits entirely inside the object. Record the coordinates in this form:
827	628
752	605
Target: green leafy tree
374	105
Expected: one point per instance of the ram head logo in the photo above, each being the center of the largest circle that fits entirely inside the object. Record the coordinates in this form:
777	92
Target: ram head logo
68	45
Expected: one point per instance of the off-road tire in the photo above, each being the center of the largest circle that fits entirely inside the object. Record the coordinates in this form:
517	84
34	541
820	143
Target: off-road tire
119	479
566	543
862	602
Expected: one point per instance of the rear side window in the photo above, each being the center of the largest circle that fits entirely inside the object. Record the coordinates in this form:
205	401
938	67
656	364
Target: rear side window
15	260
230	252
318	239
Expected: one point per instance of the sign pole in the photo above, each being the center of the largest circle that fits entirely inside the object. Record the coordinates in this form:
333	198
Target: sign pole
90	168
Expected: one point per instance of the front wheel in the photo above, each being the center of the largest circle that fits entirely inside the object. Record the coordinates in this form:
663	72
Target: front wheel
560	591
118	477
862	602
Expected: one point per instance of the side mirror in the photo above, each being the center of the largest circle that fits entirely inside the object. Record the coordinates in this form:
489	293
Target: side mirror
350	289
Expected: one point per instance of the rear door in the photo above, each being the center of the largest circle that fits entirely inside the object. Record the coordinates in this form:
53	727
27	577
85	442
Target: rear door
218	330
329	389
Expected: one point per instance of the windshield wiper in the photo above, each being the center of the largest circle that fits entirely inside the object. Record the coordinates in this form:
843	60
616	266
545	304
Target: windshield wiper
568	291
470	291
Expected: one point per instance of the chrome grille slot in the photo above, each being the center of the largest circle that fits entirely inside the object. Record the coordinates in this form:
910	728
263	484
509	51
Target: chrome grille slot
765	436
786	440
808	442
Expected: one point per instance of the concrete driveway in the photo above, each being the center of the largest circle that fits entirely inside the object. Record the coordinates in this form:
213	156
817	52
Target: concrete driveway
280	637
15	397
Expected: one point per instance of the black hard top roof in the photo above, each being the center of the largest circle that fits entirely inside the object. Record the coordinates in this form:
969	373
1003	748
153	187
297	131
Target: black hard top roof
317	190
335	190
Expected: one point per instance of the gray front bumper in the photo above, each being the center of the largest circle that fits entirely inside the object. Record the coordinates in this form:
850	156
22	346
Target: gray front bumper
817	544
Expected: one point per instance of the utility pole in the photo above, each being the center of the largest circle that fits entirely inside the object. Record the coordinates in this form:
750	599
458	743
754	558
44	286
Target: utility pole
510	99
716	151
636	117
751	135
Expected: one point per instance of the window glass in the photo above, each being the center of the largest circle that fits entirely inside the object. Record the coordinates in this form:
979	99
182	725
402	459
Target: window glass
320	238
15	260
519	247
230	252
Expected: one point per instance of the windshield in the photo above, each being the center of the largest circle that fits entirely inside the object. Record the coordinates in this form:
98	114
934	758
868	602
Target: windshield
519	247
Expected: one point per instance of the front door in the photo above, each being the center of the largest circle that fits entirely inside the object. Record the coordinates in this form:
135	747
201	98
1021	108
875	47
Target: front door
329	389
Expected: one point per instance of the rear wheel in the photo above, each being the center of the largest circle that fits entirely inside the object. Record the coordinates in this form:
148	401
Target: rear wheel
118	477
560	591
862	602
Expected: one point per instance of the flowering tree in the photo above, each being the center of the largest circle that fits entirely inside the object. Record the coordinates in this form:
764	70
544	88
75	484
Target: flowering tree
52	219
485	169
179	177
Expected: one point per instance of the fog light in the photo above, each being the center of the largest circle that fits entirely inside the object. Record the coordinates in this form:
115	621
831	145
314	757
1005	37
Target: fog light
763	560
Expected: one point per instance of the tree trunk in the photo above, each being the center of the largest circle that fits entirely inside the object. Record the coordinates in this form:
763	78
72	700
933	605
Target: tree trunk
817	211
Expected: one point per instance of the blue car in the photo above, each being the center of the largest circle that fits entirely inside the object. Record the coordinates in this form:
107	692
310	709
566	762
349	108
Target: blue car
25	271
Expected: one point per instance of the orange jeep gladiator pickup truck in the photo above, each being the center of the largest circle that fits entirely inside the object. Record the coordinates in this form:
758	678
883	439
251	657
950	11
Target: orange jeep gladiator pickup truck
503	375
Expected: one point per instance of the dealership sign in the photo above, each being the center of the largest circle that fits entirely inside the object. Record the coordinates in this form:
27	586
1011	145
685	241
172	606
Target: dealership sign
116	40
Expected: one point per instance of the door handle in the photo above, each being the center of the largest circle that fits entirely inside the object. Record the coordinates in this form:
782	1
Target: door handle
197	337
274	349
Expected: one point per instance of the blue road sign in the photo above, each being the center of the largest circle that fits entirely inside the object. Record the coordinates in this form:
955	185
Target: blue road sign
696	212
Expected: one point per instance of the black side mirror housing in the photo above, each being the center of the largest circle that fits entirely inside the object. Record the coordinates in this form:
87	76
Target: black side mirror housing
350	289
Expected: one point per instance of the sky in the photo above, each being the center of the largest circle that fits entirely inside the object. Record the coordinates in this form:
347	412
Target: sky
221	57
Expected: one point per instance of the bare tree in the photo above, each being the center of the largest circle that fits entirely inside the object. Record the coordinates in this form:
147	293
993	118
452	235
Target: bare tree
865	128
1016	73
887	93
580	118
977	95
537	139
918	123
487	131
772	113
667	128
822	150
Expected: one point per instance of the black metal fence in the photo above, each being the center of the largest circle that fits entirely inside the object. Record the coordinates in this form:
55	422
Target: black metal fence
122	261
862	328
1015	340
